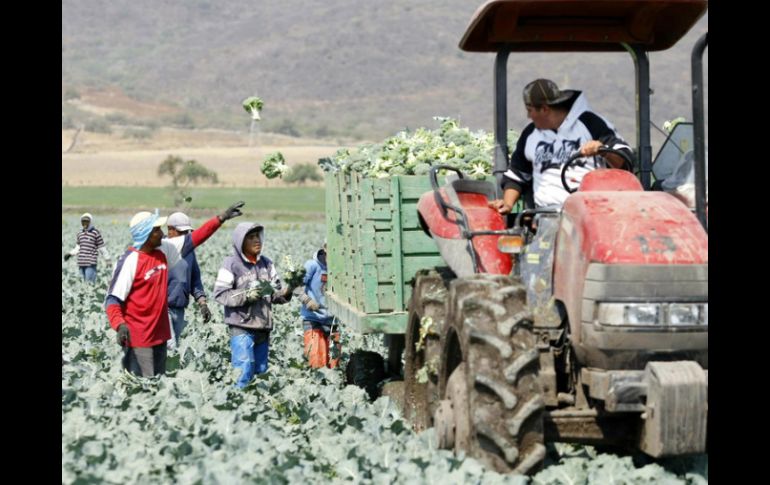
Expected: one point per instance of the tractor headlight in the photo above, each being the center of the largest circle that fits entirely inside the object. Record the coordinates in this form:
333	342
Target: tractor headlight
642	314
653	314
688	314
647	314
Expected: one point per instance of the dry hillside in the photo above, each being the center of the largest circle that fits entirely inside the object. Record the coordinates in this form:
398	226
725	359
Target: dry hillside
325	69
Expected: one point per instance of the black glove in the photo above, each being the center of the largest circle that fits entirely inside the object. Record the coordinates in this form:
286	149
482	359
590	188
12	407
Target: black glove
67	257
286	292
232	211
205	312
124	336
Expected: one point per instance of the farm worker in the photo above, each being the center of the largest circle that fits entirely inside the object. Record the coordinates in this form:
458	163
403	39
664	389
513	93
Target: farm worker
247	285
561	124
184	279
316	320
88	242
136	303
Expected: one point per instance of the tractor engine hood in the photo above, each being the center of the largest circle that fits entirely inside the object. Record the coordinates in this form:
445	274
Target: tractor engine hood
634	228
629	246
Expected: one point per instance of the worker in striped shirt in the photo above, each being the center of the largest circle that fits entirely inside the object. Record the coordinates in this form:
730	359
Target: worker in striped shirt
88	242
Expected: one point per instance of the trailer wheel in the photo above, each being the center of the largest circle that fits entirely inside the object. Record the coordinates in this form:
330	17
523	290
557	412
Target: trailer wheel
489	376
365	369
421	353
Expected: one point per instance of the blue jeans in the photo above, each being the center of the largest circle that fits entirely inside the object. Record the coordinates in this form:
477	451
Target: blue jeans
178	323
249	357
88	273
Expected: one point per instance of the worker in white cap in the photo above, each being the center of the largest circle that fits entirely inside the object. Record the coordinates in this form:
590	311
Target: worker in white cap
88	244
184	279
136	302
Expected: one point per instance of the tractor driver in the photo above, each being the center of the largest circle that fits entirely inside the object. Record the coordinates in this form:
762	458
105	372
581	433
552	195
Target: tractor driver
561	124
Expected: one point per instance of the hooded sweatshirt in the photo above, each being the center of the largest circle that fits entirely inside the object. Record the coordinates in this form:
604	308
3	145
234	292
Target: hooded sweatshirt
315	288
184	279
233	278
540	154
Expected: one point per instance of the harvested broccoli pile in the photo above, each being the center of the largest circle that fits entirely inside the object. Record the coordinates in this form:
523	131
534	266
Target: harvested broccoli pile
414	152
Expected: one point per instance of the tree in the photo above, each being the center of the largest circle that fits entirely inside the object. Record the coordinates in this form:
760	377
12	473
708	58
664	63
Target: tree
183	174
301	173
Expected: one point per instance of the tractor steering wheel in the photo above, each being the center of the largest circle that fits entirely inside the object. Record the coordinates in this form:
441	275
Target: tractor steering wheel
628	164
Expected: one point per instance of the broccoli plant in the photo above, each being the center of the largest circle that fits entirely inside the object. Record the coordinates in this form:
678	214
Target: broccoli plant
293	275
274	165
253	105
669	126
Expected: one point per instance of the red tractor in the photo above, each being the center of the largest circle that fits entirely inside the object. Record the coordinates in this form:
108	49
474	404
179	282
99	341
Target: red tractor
583	323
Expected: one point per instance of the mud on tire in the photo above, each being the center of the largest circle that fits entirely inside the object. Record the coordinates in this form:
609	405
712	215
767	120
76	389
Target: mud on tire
428	300
490	327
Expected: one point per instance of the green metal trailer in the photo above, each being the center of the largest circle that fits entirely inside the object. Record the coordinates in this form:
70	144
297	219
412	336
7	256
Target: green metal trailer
375	248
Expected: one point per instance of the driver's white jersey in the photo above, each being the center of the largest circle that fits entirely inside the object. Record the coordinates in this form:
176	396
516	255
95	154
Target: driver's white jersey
540	154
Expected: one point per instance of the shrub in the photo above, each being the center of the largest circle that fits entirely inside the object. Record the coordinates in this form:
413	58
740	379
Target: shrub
301	173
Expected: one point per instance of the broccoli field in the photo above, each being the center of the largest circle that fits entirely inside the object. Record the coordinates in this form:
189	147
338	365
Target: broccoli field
291	425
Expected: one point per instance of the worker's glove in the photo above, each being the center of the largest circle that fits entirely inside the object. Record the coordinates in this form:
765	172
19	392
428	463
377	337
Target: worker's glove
205	312
232	211
286	291
124	336
67	257
309	303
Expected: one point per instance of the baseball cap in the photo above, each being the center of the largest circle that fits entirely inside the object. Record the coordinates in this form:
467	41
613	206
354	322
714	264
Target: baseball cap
545	91
142	225
139	217
180	221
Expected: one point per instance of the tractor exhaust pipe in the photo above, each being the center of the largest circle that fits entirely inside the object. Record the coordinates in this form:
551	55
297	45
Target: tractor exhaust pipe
698	117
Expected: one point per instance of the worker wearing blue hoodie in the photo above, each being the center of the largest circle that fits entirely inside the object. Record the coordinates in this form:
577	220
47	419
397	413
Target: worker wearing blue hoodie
184	279
316	320
241	287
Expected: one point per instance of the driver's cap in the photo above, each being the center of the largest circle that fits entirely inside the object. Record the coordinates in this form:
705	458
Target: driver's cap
545	91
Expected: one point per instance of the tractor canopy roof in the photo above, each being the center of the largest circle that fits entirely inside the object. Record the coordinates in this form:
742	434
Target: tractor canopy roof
580	25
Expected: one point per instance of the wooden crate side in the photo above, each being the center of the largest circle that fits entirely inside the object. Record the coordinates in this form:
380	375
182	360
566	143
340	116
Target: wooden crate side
412	264
413	186
413	242
367	193
347	203
334	232
382	244
397	255
357	261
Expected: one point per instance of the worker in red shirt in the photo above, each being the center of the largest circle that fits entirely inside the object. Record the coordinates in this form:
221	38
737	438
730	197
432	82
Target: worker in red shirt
137	303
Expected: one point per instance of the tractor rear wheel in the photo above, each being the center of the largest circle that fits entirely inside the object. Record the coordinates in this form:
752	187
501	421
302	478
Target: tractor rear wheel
489	383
